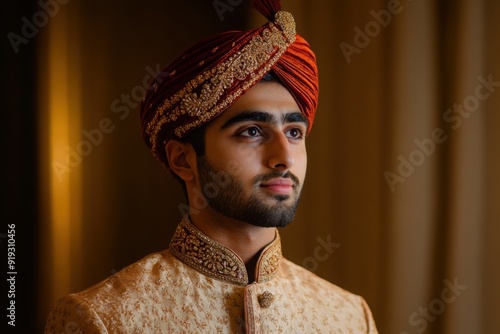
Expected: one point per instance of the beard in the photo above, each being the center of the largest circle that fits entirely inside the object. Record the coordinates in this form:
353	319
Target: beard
225	194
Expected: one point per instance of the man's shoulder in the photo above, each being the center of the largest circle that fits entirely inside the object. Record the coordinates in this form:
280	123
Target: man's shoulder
127	283
308	291
115	301
306	279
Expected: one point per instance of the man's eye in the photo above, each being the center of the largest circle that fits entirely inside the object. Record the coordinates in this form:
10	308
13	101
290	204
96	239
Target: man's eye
251	132
295	133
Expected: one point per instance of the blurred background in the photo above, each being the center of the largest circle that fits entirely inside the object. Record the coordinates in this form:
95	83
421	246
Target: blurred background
404	162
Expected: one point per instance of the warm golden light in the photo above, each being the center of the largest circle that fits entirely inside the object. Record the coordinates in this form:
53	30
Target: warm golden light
61	190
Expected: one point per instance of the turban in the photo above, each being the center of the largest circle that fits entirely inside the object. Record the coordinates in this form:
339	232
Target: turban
211	75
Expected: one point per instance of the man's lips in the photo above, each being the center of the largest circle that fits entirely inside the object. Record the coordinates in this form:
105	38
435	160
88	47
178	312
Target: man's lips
279	186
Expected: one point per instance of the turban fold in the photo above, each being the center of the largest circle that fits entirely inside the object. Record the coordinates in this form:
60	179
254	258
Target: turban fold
208	77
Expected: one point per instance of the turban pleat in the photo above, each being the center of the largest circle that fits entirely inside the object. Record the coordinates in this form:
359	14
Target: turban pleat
298	72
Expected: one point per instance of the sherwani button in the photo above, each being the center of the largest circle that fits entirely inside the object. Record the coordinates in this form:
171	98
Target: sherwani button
265	299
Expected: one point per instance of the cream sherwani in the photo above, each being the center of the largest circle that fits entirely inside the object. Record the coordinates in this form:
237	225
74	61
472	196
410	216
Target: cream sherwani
200	286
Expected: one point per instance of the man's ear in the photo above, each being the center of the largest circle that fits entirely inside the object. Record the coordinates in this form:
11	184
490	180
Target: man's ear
181	159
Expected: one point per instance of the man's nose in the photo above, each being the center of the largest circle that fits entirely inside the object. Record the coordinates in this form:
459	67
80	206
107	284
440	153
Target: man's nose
279	153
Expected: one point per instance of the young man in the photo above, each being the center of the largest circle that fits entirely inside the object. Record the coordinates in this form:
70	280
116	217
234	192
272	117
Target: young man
229	121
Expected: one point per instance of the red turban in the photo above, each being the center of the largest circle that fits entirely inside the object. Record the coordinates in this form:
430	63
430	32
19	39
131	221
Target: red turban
206	79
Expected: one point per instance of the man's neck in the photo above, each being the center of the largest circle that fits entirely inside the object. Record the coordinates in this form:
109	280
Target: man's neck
244	239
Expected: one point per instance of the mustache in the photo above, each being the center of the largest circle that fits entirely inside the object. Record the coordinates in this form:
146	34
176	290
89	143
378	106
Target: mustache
277	174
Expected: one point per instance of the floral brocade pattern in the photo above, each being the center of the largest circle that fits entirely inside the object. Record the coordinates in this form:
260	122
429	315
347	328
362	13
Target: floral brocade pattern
162	294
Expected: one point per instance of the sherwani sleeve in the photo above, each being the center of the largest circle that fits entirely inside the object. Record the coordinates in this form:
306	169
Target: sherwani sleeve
370	322
71	314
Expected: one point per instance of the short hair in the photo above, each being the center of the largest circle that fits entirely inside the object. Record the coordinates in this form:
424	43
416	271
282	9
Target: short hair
270	77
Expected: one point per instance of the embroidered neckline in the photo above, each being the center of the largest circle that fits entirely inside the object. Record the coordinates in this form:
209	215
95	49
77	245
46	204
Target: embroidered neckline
215	260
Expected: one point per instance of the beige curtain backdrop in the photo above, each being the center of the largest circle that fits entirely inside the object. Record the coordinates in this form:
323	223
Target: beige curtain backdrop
402	199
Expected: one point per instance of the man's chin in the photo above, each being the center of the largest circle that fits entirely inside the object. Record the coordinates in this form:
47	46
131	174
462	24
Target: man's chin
275	214
281	198
273	199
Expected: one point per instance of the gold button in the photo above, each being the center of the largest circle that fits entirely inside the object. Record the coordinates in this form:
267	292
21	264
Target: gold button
265	299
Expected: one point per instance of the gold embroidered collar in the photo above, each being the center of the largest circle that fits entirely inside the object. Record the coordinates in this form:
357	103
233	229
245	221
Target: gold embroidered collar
215	260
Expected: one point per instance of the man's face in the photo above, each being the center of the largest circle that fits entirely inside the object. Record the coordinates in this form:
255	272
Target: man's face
255	161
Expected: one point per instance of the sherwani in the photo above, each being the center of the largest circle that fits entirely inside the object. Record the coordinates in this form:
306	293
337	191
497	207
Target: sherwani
200	286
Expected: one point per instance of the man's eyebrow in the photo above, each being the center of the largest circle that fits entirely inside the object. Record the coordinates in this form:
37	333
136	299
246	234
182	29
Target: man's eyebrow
249	116
295	117
265	117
